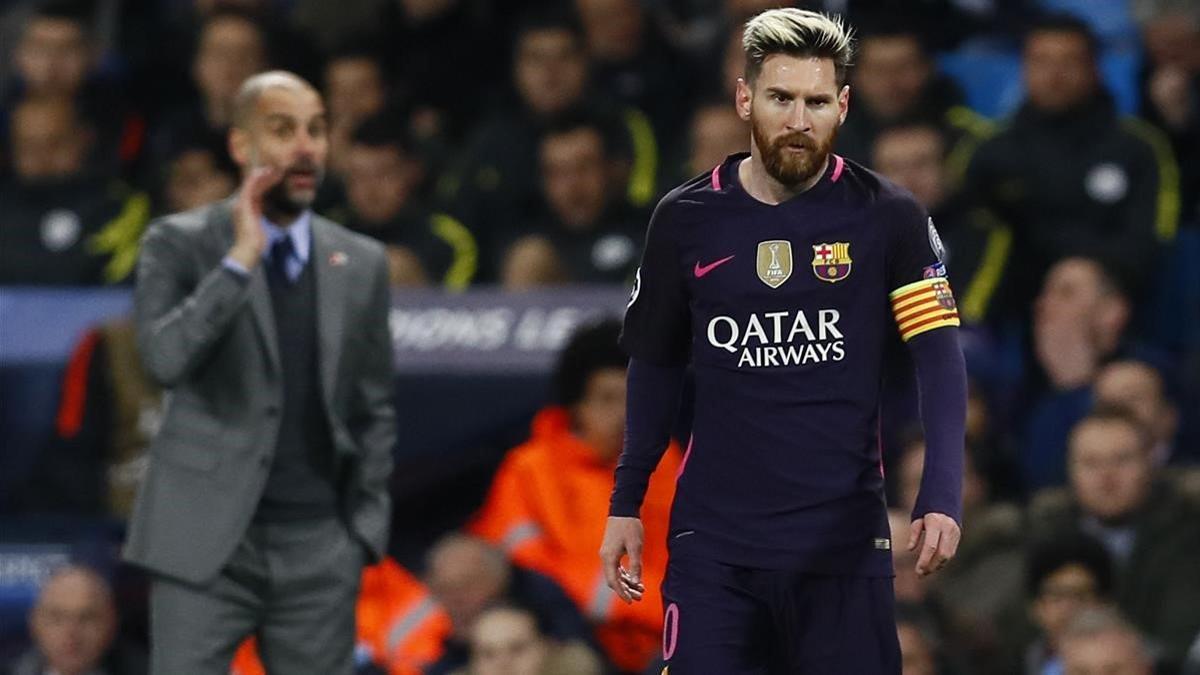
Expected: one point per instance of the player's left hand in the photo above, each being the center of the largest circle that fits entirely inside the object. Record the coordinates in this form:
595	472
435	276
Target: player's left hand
938	536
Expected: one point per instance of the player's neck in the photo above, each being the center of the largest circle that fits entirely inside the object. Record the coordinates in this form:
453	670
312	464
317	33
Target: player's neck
762	186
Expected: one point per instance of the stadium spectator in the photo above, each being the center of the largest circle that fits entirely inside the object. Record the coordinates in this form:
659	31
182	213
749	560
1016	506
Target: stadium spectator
231	46
589	232
400	627
1069	174
633	63
56	56
507	640
716	133
1064	576
466	576
62	224
1079	324
384	176
548	502
357	88
894	78
1099	641
1171	87
913	154
107	413
196	174
497	186
74	628
1144	519
1138	387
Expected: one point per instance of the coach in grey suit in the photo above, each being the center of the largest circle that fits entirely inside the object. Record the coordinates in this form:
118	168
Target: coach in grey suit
268	483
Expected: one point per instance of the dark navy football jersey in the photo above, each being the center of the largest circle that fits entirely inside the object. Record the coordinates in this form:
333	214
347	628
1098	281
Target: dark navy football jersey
784	312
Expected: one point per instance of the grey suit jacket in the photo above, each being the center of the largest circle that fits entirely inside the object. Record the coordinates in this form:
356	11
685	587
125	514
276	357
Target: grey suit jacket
209	338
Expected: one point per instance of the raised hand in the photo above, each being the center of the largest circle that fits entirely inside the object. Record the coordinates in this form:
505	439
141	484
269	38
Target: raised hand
249	239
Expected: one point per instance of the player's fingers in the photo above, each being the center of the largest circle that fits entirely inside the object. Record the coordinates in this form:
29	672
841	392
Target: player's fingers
929	549
635	561
914	533
611	566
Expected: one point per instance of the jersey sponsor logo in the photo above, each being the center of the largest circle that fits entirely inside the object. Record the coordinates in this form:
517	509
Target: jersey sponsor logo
935	242
701	270
774	262
777	339
831	262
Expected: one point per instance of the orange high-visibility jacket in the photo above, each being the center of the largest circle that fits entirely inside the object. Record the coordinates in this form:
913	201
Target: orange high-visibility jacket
400	626
547	509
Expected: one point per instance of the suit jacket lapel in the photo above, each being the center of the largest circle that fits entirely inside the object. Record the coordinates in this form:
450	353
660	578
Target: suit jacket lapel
328	266
260	295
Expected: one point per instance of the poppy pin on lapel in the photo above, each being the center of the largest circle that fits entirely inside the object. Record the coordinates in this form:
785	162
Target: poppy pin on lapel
338	259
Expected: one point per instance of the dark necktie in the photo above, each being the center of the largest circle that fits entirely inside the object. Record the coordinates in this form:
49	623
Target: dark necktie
281	252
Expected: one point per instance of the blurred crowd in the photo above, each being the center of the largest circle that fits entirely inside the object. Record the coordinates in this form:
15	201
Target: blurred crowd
524	144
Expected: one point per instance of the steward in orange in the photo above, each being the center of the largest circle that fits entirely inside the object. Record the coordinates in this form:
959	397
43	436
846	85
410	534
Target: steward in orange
548	503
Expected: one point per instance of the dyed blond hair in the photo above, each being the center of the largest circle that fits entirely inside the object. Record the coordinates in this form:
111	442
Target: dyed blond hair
797	32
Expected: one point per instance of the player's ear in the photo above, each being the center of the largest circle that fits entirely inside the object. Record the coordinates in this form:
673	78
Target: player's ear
741	99
239	146
843	103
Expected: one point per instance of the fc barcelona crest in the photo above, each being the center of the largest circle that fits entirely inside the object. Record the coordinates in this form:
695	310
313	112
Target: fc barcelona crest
774	262
831	262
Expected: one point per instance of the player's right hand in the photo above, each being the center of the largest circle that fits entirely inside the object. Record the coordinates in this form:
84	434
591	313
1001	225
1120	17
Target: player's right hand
623	537
249	239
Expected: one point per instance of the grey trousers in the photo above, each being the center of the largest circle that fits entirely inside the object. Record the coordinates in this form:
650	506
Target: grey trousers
293	585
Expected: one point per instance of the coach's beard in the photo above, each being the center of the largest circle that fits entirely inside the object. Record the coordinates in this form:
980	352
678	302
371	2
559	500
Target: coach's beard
286	202
786	166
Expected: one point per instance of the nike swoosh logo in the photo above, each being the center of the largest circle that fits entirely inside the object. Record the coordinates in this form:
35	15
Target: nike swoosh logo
701	270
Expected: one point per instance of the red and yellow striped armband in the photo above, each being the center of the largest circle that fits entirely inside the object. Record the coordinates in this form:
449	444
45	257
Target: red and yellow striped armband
922	306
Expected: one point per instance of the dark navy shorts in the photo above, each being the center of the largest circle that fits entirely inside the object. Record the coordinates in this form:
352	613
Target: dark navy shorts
728	620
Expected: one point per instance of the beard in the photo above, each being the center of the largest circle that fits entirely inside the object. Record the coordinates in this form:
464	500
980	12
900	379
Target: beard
291	203
784	165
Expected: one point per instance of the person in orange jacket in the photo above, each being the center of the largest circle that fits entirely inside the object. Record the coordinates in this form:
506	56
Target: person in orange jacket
549	500
401	628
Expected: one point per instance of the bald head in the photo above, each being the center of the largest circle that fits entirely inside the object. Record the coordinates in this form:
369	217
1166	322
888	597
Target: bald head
74	620
466	575
245	102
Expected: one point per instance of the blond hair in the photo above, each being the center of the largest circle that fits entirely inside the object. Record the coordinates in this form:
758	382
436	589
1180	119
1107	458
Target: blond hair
797	32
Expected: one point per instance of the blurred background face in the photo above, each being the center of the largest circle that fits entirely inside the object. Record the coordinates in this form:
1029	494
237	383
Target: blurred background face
1059	70
613	28
465	580
507	642
574	176
915	651
717	132
1109	470
379	181
1073	292
47	141
890	74
1138	388
73	623
912	158
600	416
231	50
1062	595
52	57
1109	653
194	179
355	89
1173	40
287	130
550	70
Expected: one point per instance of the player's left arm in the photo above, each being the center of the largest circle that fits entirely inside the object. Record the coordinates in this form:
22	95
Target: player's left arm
927	317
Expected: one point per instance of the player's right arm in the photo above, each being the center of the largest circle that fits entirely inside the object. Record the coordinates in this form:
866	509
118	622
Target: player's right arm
657	336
